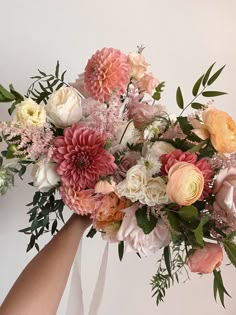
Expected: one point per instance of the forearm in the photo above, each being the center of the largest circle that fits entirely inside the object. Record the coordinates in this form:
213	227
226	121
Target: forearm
39	288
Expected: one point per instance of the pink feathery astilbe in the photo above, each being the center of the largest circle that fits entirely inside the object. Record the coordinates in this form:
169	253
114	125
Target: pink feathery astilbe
30	142
106	73
81	157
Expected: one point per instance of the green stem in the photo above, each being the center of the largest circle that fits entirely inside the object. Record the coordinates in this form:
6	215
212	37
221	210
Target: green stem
125	131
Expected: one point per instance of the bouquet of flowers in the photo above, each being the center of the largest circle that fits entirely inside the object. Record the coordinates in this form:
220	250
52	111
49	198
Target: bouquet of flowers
106	148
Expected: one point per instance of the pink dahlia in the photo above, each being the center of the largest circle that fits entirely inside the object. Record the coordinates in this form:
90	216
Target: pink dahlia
169	159
82	202
107	71
81	157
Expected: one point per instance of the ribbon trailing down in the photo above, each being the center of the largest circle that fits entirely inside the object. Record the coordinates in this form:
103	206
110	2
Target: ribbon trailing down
75	301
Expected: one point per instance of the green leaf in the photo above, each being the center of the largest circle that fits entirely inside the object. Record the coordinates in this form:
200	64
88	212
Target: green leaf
159	89
173	220
184	125
57	69
121	250
43	73
91	232
6	94
167	257
188	213
143	221
206	76
213	93
54	227
196	105
219	286
198	232
179	98
197	86
215	76
17	95
230	249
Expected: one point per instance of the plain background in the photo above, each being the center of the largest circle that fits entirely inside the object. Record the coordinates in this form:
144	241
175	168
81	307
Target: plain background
182	38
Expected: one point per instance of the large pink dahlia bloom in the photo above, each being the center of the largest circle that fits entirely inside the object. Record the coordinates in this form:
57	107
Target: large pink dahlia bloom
81	157
107	72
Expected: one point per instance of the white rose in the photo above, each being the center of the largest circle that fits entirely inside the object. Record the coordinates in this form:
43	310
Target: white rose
159	148
130	135
135	239
155	192
29	113
132	186
64	107
44	174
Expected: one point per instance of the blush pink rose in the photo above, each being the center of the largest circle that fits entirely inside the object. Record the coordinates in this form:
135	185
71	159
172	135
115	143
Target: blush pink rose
206	259
142	114
104	187
148	83
138	65
129	160
225	195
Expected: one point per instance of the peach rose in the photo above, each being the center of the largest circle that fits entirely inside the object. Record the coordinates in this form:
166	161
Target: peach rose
104	187
222	130
206	259
138	65
225	195
185	183
109	210
148	83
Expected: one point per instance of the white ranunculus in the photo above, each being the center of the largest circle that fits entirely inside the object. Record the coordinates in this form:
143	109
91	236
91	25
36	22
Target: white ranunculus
136	240
29	113
155	192
132	186
44	174
64	107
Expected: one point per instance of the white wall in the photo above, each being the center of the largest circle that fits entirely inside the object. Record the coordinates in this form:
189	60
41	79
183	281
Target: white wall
182	38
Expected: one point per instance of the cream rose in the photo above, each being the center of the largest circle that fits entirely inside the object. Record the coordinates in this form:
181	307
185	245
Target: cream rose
132	186
138	65
64	107
29	113
159	148
44	174
155	192
185	183
104	187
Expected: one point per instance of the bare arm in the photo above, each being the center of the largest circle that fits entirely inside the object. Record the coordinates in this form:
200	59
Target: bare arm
39	288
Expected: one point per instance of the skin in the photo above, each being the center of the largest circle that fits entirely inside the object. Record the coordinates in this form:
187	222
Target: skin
40	286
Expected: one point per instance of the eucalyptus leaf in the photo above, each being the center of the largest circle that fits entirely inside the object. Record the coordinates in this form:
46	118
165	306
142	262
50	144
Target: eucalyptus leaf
196	105
212	93
215	76
206	76
197	85
179	98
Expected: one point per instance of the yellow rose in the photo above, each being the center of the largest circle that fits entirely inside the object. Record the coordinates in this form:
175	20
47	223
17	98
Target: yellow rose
185	183
222	130
29	113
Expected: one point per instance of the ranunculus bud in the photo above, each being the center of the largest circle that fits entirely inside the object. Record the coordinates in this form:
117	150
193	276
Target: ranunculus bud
206	259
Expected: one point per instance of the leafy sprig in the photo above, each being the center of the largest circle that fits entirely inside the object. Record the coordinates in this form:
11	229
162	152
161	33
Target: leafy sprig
44	215
44	84
198	89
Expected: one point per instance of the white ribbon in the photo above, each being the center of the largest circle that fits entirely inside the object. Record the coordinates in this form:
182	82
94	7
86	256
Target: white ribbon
75	301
